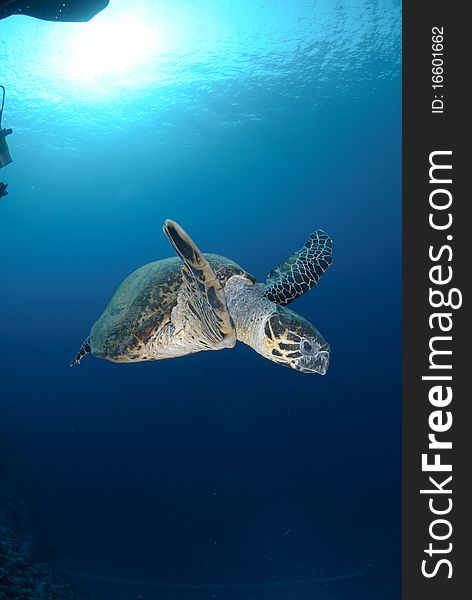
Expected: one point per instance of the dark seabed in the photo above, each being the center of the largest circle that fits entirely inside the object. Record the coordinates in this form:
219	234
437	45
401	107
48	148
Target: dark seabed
220	475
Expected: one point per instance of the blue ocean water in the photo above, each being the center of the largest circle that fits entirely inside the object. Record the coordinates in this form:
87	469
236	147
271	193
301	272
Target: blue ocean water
218	475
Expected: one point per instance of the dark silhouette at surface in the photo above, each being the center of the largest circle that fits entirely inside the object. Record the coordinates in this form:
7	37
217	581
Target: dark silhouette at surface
53	10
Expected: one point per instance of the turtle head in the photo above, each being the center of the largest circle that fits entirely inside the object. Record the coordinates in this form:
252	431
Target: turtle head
292	341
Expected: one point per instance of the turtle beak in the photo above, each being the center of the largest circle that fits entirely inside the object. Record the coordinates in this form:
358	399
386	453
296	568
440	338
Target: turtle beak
314	363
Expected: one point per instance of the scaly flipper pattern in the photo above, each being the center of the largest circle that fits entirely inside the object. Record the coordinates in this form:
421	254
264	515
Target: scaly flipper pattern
301	271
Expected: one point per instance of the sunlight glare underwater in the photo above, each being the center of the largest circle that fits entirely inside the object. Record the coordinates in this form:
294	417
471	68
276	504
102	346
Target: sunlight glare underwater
111	51
112	47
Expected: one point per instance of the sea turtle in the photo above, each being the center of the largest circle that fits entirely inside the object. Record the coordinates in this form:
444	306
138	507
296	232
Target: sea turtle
181	305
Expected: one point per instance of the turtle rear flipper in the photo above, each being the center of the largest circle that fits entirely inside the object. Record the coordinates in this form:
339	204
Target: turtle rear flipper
201	309
301	271
84	350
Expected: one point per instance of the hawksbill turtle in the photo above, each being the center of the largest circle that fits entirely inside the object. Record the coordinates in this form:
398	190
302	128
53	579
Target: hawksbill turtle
194	302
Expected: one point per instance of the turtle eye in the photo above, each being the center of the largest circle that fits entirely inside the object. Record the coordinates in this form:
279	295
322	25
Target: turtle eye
306	346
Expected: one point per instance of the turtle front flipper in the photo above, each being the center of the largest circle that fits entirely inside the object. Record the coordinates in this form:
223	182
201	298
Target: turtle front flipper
201	313
84	350
302	271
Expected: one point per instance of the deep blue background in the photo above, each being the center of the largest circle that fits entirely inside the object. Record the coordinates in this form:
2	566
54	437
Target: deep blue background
218	467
